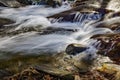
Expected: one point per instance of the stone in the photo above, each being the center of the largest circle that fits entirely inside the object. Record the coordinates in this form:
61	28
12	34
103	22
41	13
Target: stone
54	3
5	21
74	49
111	71
109	46
10	3
95	3
25	2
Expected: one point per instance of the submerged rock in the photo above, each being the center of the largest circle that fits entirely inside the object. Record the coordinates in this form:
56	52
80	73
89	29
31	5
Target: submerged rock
63	64
59	65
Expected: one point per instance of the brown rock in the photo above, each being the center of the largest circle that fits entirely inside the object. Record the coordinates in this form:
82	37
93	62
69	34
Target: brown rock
109	46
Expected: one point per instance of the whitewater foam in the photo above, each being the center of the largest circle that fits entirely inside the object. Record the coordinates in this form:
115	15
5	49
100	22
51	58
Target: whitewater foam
33	42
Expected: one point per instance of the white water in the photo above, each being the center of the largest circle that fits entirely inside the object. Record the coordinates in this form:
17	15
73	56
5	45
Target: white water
33	42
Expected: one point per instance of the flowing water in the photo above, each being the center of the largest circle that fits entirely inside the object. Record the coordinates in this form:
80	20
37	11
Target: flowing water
82	28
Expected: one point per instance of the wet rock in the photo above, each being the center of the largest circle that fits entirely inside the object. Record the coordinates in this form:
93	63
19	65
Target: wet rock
70	63
15	3
4	21
115	5
25	2
112	23
85	6
10	3
96	3
76	16
33	73
82	8
28	74
106	4
68	18
36	74
59	65
3	27
115	26
73	15
110	71
74	49
54	3
109	45
10	30
3	5
51	30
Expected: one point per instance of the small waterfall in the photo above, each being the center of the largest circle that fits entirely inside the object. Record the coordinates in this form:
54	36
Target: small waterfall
78	17
32	42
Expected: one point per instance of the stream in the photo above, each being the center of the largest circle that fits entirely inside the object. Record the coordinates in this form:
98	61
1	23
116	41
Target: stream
36	41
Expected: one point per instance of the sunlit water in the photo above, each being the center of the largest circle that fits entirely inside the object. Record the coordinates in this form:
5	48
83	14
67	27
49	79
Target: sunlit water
35	43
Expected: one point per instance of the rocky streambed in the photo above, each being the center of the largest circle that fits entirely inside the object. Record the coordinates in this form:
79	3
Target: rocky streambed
78	44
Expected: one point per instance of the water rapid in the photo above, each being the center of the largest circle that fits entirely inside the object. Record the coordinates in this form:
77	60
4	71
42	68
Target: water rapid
37	41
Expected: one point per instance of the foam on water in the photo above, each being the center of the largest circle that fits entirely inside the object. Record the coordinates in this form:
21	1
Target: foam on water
30	21
30	15
33	42
13	13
